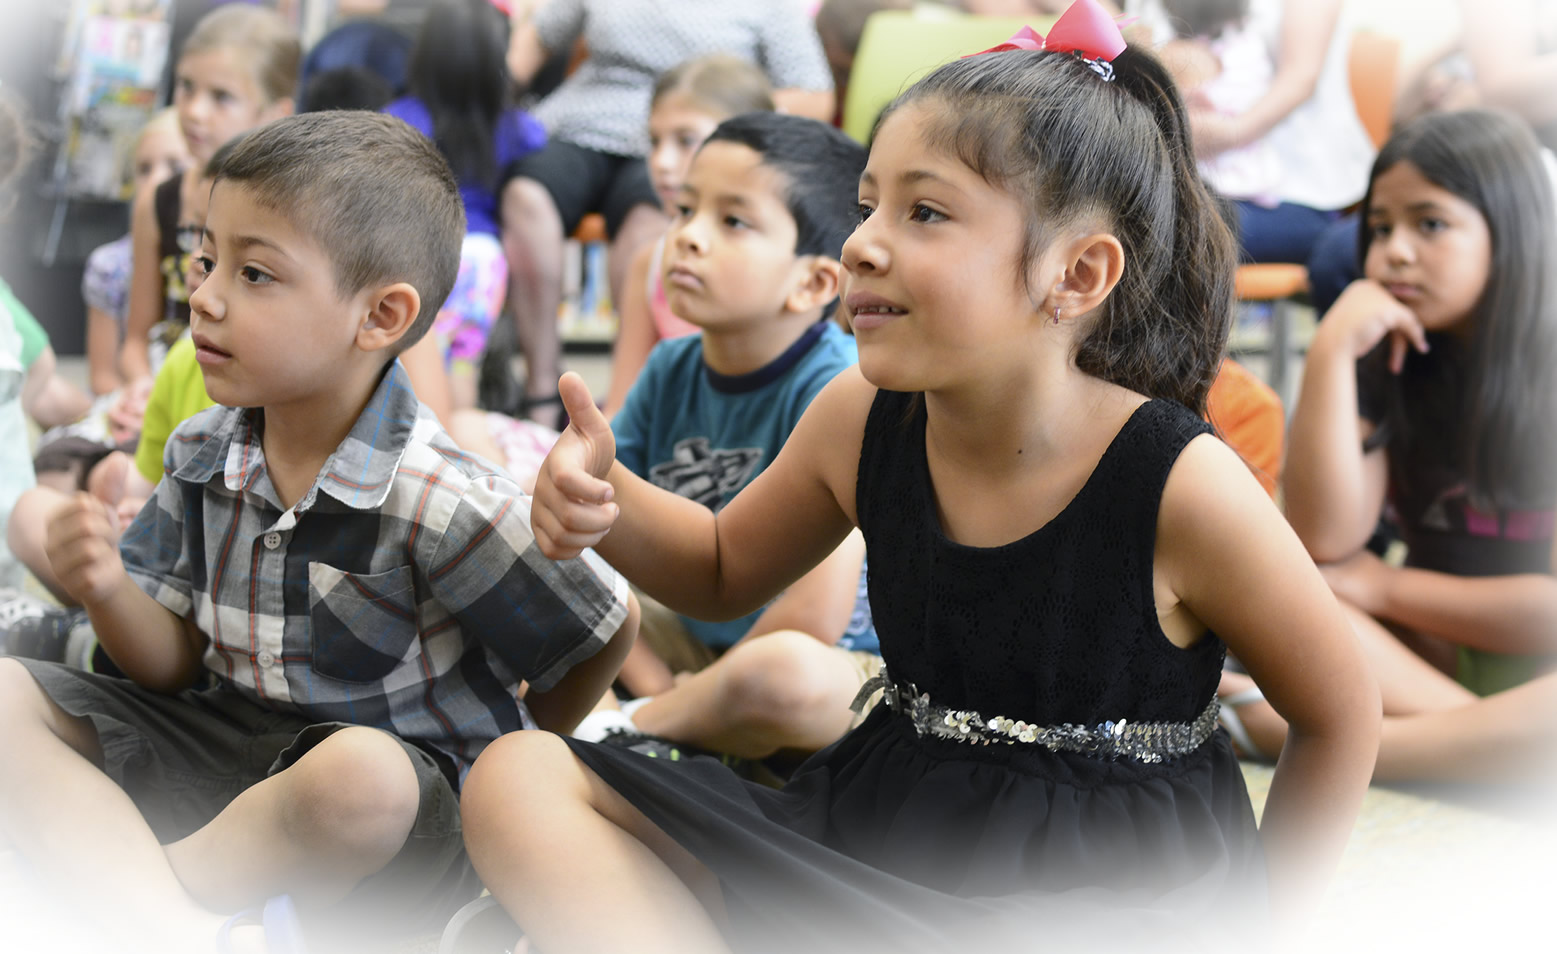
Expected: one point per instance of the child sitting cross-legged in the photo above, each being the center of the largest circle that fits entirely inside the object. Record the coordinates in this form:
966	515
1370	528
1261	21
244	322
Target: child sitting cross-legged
752	259
362	598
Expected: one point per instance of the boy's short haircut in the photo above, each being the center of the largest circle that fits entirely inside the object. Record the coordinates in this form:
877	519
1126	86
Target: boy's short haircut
214	164
821	166
373	192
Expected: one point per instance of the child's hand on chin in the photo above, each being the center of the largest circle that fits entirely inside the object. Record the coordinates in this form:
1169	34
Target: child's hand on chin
1365	314
573	506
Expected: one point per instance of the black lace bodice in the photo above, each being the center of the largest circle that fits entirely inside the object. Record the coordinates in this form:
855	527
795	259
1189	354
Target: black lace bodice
1059	626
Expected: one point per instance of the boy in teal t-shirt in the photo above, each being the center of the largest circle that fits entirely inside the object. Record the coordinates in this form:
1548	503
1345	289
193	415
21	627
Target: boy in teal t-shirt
752	259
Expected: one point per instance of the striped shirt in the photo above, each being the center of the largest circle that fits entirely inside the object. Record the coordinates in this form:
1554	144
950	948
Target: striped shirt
403	591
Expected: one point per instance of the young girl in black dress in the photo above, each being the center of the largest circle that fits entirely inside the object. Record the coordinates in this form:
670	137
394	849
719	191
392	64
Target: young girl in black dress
1060	556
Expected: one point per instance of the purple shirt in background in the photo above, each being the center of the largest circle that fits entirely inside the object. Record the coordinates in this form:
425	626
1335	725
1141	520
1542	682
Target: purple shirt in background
518	134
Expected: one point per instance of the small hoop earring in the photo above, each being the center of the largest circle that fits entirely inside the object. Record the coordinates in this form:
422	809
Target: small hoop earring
1056	314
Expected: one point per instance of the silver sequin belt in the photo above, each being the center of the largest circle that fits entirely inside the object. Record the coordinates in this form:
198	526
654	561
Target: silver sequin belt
1114	739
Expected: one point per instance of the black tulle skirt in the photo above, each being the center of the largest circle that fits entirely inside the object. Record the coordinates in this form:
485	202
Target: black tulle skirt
889	841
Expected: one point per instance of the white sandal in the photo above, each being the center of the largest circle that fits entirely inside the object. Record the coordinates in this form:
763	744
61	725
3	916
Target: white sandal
1228	716
481	927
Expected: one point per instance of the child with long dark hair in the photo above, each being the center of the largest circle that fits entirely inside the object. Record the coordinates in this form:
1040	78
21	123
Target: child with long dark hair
1429	394
1060	555
459	97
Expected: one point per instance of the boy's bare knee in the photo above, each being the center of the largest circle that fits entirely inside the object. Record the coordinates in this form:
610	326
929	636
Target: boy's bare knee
356	790
771	679
25	706
514	767
528	209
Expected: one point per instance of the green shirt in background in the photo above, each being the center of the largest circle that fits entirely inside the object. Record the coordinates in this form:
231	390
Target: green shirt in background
177	394
34	338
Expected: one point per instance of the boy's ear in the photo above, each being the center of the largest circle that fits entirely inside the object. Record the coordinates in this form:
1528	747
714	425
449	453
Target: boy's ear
1091	266
392	310
818	284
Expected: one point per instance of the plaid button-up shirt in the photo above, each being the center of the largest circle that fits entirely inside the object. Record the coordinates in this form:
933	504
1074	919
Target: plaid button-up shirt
403	591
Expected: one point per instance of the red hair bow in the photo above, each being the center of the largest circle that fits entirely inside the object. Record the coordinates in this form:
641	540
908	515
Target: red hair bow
1084	28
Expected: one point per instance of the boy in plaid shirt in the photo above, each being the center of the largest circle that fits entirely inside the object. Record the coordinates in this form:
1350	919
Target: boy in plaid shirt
361	598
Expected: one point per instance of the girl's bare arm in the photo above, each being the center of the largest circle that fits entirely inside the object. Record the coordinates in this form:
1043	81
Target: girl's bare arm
1516	613
1306	32
1334	491
526	55
102	351
1227	555
146	291
637	336
702	564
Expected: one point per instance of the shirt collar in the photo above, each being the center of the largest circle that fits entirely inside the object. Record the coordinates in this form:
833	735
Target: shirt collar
360	472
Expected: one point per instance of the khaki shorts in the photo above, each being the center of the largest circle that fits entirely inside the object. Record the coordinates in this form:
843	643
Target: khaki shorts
662	630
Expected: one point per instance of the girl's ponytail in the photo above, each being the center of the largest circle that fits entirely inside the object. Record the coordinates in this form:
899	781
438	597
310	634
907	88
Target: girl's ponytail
1190	309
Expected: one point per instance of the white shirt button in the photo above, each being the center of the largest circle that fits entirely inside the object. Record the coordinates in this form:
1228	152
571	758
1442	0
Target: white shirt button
272	540
267	658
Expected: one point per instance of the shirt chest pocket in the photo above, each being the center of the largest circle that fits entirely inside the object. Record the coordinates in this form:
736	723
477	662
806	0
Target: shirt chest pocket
364	624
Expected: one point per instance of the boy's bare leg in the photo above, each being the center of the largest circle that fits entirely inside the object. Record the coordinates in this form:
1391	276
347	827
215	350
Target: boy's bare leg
532	243
550	839
80	832
315	830
783	690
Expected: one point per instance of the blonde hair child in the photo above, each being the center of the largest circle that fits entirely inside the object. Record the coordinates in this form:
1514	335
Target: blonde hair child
159	154
237	70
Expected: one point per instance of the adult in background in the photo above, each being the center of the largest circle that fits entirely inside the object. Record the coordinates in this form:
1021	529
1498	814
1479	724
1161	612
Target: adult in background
1305	113
593	160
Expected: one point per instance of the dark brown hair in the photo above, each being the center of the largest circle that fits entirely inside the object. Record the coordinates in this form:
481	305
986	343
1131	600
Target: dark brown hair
373	192
1496	401
459	72
1046	128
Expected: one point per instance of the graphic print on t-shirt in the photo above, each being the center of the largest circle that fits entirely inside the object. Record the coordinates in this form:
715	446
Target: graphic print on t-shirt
708	476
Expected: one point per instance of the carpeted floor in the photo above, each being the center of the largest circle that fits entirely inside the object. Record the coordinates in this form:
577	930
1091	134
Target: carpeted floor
1438	870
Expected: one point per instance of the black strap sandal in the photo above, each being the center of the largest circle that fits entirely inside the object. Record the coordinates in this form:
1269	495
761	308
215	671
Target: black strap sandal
557	421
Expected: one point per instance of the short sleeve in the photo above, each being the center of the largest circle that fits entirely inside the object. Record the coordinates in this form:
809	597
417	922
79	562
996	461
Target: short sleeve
790	51
154	548
518	135
539	616
105	283
413	113
559	23
33	338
